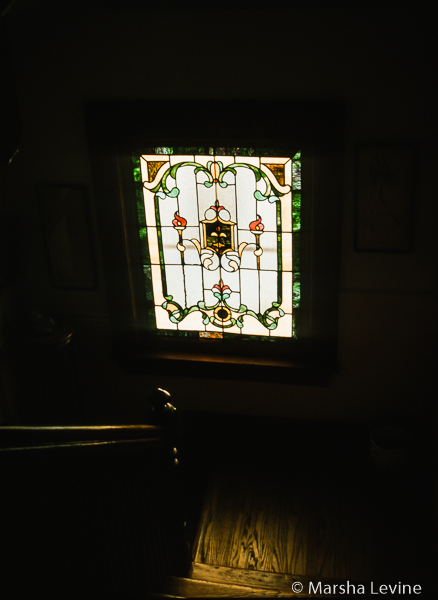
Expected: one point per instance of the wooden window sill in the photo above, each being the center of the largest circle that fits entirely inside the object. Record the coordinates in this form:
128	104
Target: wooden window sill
217	366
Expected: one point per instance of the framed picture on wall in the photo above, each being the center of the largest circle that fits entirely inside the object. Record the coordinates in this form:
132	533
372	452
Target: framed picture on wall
66	227
384	198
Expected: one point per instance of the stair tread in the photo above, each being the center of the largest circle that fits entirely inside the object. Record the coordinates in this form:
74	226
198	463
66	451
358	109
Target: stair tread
278	582
213	581
195	588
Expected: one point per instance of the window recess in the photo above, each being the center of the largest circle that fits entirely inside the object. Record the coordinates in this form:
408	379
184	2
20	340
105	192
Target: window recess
220	231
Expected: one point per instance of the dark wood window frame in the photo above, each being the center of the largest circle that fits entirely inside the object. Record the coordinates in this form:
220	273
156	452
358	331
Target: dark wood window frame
117	128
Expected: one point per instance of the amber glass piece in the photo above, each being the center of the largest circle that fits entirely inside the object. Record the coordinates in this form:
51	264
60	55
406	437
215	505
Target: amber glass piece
211	335
278	171
153	168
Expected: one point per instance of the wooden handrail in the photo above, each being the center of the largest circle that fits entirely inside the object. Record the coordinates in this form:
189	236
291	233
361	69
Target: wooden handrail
12	436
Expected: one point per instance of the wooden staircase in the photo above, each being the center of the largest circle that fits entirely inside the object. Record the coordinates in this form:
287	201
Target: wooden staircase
276	517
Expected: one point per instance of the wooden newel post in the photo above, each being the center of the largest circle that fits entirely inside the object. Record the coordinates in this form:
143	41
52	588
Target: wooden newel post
163	413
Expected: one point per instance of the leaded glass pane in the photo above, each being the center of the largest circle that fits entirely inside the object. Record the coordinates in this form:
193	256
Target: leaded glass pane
219	232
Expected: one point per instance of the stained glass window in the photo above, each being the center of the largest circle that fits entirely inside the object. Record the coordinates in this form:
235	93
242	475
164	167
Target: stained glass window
219	230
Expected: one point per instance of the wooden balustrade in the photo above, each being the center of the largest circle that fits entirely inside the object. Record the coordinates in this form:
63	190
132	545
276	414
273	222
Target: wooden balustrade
86	512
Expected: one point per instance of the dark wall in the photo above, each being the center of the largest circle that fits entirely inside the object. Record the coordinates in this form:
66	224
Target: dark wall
379	65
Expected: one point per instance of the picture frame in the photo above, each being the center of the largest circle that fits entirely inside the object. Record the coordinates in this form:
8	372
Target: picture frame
384	197
65	220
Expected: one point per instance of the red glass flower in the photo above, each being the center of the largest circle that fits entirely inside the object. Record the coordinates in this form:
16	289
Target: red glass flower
179	222
257	226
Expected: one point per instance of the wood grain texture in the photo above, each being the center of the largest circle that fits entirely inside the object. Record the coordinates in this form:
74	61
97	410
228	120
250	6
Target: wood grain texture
311	519
269	524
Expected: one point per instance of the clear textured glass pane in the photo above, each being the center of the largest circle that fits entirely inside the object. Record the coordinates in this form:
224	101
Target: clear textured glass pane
193	284
210	278
249	160
253	327
206	199
286	294
286	251
202	159
268	282
169	236
209	297
187	205
157	285
175	284
269	258
245	187
248	258
149	206
286	212
249	292
144	169
225	160
229	178
288	173
162	319
234	300
284	328
227	198
192	322
268	213
232	279
175	159
153	245
167	208
191	254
